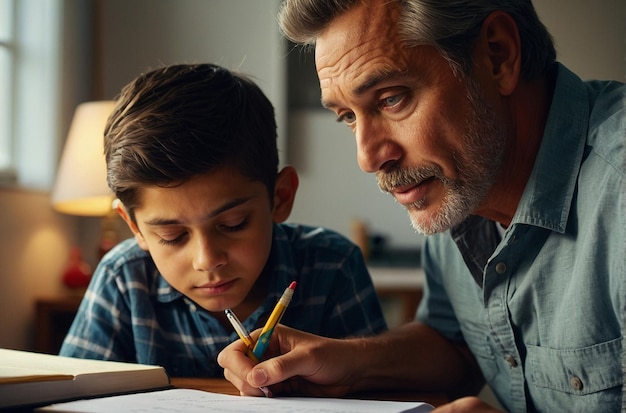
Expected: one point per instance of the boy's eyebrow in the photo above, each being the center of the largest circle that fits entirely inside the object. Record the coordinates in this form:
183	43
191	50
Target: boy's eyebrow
229	205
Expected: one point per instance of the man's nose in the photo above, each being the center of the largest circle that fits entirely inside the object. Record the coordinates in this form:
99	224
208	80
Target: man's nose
375	145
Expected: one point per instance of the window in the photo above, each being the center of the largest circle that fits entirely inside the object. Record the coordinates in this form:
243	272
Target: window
7	59
30	50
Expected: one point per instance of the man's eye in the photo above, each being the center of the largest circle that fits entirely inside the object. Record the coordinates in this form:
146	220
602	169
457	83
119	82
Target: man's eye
347	117
391	101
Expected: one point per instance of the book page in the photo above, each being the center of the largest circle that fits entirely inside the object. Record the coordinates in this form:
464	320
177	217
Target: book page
25	363
197	401
21	375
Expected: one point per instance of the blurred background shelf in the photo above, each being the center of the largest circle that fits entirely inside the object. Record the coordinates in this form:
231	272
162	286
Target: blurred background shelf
400	290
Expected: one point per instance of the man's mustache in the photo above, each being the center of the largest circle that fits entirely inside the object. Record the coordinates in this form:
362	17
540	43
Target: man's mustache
398	177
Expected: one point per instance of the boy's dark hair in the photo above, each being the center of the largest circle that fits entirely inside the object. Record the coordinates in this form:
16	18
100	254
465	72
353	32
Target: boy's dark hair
180	121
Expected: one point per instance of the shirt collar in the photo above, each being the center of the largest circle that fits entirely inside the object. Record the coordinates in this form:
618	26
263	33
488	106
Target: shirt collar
163	291
548	195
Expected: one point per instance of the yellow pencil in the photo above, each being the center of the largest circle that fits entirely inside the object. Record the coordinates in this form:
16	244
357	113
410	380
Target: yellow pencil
277	314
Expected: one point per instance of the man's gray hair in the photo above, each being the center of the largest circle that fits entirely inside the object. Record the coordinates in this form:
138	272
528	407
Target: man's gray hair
452	26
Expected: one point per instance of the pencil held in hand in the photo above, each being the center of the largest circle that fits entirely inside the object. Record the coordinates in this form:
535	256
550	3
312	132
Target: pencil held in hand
247	340
277	314
242	333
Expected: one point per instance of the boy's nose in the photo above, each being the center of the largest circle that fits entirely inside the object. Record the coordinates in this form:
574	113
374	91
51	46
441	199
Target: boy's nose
208	256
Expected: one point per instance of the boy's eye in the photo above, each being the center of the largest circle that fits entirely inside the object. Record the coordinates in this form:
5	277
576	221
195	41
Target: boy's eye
174	241
234	227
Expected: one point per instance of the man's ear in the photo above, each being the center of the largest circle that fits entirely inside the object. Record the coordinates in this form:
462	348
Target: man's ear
285	193
499	51
119	207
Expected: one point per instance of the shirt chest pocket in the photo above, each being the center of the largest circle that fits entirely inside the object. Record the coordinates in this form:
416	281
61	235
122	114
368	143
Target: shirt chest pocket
579	371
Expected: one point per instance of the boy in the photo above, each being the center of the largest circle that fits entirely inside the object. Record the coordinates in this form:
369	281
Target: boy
191	155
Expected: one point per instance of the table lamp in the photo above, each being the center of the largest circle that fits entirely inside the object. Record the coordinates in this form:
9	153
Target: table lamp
81	186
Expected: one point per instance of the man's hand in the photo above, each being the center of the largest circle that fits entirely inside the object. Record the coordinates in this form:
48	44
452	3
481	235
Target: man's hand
298	364
467	405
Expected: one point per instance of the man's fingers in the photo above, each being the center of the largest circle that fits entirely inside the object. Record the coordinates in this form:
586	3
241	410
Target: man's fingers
245	389
237	366
466	404
281	371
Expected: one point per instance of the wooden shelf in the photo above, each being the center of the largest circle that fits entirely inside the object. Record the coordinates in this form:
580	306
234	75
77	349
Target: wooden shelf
53	317
402	284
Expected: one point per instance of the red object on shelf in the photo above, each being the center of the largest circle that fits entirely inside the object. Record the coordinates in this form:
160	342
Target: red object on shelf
78	272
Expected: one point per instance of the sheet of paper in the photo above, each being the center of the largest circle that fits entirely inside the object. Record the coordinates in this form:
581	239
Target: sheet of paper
197	401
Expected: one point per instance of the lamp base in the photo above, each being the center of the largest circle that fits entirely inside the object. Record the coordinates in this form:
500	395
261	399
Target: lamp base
77	274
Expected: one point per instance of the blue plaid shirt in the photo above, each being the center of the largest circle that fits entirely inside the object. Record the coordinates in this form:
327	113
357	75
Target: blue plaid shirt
130	313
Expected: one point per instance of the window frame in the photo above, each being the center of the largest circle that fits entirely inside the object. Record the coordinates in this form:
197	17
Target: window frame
35	98
7	75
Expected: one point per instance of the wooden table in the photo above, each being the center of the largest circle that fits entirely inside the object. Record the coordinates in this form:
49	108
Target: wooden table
207	384
225	387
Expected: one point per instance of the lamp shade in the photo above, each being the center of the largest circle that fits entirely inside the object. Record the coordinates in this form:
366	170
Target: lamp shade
81	186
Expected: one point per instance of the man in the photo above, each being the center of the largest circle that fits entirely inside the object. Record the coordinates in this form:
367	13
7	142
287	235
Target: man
514	166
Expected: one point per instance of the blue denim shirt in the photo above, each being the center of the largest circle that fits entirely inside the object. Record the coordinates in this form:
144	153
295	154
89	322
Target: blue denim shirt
130	312
544	316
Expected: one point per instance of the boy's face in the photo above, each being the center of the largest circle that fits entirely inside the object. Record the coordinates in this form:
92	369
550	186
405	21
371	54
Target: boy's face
209	237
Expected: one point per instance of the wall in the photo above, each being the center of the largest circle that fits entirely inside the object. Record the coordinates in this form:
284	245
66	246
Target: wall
590	36
140	35
35	241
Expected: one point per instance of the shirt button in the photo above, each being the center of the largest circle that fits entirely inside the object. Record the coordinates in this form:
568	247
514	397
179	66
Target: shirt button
500	268
511	360
576	383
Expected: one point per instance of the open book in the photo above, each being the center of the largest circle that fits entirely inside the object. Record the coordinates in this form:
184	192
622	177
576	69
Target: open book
30	379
